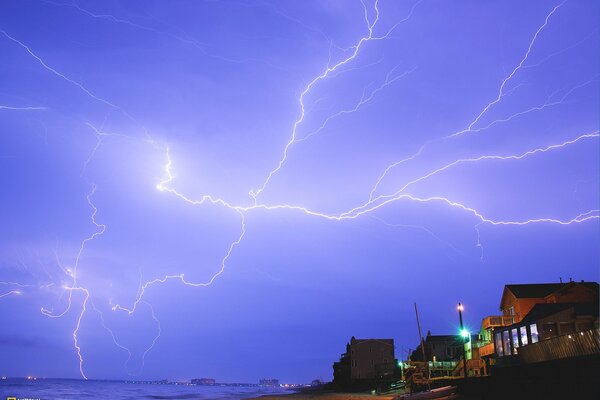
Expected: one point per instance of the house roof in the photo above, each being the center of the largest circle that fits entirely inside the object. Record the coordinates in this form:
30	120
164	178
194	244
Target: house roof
544	310
541	290
534	290
593	286
355	341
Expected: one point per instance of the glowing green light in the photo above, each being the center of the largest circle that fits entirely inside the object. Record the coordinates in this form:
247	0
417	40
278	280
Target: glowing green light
464	333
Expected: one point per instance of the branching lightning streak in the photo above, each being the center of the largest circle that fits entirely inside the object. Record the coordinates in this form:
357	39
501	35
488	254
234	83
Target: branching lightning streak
155	339
364	100
394	165
383	200
547	103
367	209
77	84
481	158
116	342
184	40
325	74
419	227
21	108
100	136
112	335
501	92
73	273
76	331
55	72
363	210
12	292
181	276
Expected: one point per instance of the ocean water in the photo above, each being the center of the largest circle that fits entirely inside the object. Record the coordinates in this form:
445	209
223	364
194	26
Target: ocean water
58	389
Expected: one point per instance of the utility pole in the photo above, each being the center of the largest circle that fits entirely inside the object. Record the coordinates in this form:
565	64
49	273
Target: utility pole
422	342
462	333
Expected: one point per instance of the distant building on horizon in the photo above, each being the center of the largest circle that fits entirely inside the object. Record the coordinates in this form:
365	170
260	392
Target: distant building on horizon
204	381
269	382
366	360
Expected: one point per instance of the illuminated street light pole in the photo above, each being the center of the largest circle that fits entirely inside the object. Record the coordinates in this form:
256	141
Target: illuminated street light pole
463	333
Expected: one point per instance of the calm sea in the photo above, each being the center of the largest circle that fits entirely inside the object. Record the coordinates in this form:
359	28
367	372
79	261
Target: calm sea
57	389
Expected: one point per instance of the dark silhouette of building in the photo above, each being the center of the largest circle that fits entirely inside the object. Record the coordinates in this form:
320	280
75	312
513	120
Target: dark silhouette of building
203	381
439	348
366	361
269	382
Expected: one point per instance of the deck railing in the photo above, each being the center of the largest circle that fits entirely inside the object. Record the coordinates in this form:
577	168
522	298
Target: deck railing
496	321
565	346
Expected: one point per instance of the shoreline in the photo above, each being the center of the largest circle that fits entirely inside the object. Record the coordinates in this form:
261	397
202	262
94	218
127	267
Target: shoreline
325	396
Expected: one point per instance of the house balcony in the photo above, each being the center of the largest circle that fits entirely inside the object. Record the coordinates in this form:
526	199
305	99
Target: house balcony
497	321
486	350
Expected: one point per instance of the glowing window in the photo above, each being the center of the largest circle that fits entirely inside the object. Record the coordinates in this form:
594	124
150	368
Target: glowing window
515	339
498	339
523	331
535	337
506	343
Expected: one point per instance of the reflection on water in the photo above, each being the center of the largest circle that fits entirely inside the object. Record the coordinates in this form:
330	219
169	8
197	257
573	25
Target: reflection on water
58	389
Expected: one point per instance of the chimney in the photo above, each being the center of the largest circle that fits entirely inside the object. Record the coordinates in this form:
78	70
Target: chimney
560	279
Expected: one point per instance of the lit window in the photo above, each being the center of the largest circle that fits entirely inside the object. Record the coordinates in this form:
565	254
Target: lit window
515	339
524	341
535	337
506	343
498	338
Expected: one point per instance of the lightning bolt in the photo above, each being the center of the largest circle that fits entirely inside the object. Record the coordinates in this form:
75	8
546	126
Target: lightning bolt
78	326
418	227
363	100
502	92
159	331
112	335
548	103
12	292
84	242
382	200
324	75
55	72
367	209
510	76
477	159
21	108
100	137
180	277
77	84
185	40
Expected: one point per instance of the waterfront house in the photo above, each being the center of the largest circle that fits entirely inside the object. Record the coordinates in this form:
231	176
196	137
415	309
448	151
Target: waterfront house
366	360
518	300
568	324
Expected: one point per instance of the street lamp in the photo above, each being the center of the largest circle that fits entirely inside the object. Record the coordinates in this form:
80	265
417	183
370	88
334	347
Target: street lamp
465	334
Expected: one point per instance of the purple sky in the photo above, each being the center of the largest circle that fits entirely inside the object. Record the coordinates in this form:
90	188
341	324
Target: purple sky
233	189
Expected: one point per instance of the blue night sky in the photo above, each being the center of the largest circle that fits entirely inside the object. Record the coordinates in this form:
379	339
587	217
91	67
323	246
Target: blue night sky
233	189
